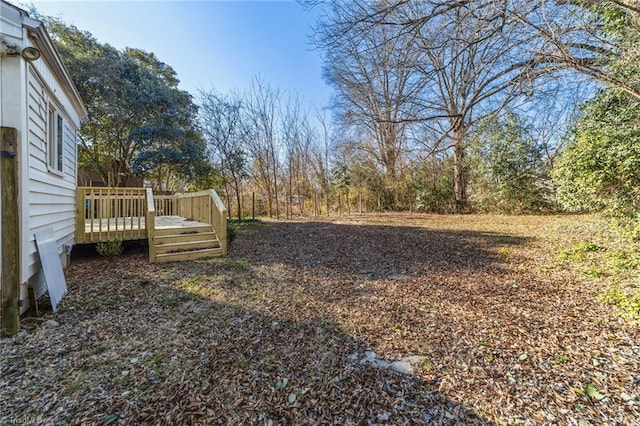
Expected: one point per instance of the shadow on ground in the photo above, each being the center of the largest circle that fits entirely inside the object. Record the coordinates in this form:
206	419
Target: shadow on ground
177	344
374	250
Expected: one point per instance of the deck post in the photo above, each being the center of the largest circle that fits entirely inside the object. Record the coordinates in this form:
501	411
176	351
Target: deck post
10	287
150	224
80	215
219	216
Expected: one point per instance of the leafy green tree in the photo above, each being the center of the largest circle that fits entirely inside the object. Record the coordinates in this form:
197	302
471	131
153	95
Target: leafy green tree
341	177
434	185
506	168
600	169
139	122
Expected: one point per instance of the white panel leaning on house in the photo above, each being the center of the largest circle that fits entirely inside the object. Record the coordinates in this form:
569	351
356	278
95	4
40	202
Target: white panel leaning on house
51	267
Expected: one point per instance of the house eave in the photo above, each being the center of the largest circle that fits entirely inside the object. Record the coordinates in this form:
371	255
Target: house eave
40	38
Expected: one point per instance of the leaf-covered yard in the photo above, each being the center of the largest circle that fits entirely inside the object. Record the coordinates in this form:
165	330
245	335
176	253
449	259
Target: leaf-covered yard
506	318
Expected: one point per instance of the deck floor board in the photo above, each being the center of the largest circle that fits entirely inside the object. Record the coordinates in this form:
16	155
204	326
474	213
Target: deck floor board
132	228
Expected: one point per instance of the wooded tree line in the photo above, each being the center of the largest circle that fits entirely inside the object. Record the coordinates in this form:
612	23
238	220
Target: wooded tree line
474	104
440	105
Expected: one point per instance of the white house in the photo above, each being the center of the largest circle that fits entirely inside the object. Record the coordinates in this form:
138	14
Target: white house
38	100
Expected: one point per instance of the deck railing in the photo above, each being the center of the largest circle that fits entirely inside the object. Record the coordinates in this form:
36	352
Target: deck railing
166	205
205	206
105	214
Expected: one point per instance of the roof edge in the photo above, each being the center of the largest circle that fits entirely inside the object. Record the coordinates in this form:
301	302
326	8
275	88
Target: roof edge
40	38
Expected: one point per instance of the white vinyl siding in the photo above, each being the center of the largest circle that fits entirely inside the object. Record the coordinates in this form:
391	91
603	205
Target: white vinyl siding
51	167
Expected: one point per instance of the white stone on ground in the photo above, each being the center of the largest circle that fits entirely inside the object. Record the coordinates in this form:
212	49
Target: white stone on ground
404	365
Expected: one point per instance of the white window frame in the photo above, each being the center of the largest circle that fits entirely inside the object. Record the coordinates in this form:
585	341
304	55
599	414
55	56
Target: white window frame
55	140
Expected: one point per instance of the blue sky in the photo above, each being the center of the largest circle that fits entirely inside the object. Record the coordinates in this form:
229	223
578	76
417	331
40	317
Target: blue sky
223	44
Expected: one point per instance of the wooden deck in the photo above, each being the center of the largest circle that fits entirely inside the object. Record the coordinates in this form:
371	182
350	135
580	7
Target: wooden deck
178	227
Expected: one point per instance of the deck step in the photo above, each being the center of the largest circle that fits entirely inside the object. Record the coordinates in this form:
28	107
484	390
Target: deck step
178	243
183	230
179	238
187	246
188	255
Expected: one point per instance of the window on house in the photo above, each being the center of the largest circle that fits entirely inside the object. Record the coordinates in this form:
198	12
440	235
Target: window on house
59	129
55	140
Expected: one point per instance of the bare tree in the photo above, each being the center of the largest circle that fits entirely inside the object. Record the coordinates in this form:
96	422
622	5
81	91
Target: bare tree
220	117
592	37
372	69
292	143
476	61
319	152
299	139
260	131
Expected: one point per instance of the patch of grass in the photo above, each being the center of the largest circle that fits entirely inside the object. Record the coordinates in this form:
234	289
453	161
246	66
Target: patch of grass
244	227
158	359
195	285
107	303
79	383
245	223
580	251
628	300
627	227
235	226
618	265
232	232
594	271
620	260
187	283
504	253
234	265
123	380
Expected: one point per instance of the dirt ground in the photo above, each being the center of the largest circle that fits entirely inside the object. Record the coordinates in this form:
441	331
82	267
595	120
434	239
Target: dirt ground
504	328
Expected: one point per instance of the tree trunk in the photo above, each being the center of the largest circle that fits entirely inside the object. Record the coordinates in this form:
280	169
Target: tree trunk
275	181
266	191
327	195
290	212
459	173
226	193
236	183
269	201
236	187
